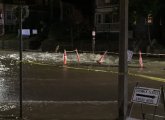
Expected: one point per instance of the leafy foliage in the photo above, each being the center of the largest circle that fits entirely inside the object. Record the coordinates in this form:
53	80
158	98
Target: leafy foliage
25	12
141	8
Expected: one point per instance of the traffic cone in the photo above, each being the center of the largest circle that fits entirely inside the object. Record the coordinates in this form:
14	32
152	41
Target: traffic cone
101	59
78	56
65	57
140	59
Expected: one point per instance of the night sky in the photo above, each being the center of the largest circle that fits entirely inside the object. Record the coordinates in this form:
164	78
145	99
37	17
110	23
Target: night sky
86	6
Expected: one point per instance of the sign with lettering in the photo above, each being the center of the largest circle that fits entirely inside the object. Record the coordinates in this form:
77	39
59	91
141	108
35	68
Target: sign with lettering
145	95
26	32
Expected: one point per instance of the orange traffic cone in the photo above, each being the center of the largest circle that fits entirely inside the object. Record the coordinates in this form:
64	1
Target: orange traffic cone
64	57
140	59
101	59
78	56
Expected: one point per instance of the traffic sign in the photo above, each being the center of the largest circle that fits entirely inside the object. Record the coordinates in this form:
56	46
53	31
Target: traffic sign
26	32
146	95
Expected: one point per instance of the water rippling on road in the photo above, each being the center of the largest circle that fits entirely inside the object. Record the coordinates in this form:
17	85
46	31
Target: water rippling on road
9	70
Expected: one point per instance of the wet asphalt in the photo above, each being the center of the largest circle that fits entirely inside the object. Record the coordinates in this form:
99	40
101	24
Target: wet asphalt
60	93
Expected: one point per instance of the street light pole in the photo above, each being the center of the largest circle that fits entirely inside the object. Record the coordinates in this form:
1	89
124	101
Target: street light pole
20	60
123	65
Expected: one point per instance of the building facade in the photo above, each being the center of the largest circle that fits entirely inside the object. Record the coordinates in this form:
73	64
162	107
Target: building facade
107	16
1	20
38	11
7	17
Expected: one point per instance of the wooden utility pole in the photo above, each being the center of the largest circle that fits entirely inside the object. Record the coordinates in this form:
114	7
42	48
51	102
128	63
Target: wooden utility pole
123	66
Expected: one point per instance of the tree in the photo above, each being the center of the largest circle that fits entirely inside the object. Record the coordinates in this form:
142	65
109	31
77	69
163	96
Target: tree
139	10
25	12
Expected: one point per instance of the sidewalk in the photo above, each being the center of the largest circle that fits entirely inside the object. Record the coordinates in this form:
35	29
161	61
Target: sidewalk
72	111
78	110
65	110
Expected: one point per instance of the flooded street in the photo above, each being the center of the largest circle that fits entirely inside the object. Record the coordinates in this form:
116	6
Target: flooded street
53	91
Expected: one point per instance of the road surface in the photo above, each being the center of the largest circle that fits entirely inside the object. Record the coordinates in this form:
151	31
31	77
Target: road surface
57	92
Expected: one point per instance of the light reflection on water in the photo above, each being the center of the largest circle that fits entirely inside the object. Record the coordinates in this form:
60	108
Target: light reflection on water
9	67
9	71
3	90
8	84
6	107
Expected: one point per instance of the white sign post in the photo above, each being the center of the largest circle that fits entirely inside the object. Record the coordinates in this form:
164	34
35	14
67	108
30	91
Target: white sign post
93	40
145	95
